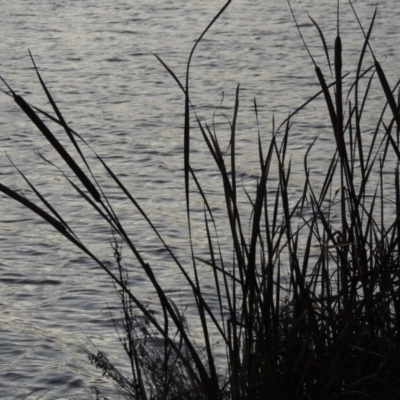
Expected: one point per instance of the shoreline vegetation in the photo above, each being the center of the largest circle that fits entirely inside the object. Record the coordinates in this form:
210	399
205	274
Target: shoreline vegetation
308	297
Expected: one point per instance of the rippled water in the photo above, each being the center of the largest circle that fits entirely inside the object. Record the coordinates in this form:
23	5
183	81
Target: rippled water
96	57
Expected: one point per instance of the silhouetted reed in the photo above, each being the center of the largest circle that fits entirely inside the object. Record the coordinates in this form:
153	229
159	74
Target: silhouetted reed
331	329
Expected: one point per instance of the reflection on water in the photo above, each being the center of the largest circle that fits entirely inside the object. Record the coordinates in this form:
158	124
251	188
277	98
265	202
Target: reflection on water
96	57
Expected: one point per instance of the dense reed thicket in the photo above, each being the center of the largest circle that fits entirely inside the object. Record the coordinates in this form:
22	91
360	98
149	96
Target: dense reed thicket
309	300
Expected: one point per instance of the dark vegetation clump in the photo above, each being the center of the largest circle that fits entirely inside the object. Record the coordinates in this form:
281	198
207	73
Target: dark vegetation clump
309	300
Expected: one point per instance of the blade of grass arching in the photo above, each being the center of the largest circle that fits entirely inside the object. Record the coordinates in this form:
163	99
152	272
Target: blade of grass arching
323	43
388	93
375	135
365	97
358	118
367	173
220	269
169	70
187	108
321	79
51	118
55	143
331	110
311	99
328	178
71	134
382	77
366	41
366	36
139	208
301	35
115	226
250	200
393	143
360	61
380	119
283	147
43	200
59	226
47	115
355	84
110	215
69	131
305	159
362	54
203	196
58	113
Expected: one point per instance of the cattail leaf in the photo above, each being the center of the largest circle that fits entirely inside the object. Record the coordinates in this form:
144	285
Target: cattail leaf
33	207
58	113
58	147
321	35
388	93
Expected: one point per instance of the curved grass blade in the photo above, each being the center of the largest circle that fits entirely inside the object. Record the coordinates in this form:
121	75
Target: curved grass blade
58	112
55	143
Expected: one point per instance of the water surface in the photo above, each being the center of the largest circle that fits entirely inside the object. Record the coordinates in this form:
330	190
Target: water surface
97	59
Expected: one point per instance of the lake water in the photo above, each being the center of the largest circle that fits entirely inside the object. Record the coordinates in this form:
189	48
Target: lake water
96	57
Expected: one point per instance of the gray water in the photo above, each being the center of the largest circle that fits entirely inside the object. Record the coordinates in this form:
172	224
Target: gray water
96	57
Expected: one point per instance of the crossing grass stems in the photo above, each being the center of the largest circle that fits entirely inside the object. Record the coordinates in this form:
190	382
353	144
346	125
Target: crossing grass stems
331	329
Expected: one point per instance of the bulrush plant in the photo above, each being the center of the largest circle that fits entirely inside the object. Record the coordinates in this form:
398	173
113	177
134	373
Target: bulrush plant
309	299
